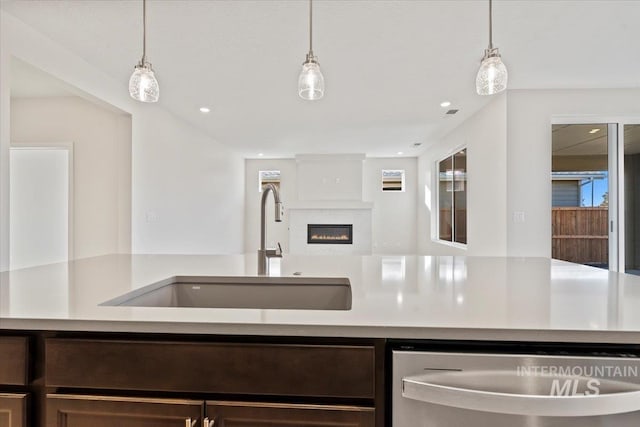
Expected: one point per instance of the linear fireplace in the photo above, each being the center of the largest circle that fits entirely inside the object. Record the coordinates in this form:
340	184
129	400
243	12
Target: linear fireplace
335	234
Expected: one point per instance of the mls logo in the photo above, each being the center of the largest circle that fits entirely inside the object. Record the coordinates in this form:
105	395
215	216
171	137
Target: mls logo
575	387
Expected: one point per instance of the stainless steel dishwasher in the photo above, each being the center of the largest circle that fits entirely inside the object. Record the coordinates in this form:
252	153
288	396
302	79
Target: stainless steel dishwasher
434	389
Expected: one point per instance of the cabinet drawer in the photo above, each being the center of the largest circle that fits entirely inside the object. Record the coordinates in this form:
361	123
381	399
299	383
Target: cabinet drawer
264	369
250	414
13	410
107	411
14	360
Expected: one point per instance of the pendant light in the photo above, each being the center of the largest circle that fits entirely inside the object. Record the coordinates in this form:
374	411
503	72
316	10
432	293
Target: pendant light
311	81
492	75
143	85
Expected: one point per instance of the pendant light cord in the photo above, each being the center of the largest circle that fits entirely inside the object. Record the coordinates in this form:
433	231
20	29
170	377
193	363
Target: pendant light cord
144	31
490	26
311	27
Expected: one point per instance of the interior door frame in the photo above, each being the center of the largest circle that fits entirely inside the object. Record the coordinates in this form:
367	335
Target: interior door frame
68	147
616	189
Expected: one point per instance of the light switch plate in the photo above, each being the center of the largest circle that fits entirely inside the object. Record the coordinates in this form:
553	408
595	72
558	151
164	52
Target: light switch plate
151	216
518	217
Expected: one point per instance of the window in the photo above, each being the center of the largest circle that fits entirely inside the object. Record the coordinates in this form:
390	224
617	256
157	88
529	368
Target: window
392	180
268	177
580	189
452	198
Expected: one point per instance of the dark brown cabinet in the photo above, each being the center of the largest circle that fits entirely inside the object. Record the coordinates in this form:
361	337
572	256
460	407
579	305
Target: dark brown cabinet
13	410
250	414
108	411
320	384
226	368
14	362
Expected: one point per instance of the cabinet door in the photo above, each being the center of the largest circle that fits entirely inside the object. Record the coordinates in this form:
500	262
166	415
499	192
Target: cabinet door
13	410
108	411
250	414
14	357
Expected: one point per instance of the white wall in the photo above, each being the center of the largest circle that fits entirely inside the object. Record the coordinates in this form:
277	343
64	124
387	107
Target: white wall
101	162
205	219
188	190
330	176
394	214
485	136
529	119
5	107
509	155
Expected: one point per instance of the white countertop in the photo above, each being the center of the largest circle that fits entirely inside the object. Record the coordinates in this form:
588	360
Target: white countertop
478	298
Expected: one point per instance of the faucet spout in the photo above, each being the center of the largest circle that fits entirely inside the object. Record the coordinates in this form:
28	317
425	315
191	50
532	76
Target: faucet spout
263	253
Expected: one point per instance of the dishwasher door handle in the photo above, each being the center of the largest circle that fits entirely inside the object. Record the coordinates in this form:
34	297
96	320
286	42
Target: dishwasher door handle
506	392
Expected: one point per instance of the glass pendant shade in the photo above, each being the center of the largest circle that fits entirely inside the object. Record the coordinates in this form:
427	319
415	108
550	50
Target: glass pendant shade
311	81
143	85
492	75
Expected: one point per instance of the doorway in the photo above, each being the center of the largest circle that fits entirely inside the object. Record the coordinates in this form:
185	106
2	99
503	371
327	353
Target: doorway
631	226
595	182
40	204
581	176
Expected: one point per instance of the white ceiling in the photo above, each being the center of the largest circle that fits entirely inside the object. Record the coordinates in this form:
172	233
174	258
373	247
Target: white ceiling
387	64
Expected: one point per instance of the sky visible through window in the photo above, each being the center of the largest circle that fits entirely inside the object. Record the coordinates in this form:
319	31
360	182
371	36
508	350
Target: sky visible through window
593	191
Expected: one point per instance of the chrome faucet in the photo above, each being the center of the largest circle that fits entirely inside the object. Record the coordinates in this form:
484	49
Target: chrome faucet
263	253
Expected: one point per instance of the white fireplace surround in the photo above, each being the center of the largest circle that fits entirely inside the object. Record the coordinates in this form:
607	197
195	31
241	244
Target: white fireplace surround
330	192
326	212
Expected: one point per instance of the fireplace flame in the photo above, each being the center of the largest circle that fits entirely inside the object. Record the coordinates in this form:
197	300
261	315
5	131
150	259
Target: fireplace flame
329	237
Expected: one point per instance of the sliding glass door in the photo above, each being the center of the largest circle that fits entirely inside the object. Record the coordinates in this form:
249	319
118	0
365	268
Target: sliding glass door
581	175
631	184
595	183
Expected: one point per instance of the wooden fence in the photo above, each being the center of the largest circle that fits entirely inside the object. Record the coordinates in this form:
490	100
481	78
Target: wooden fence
580	234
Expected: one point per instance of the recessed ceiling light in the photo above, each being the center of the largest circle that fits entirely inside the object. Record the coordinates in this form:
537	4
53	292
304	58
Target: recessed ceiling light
594	131
400	153
445	104
260	154
204	109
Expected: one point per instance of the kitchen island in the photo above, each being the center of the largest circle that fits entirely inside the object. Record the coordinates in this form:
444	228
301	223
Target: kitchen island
70	359
406	297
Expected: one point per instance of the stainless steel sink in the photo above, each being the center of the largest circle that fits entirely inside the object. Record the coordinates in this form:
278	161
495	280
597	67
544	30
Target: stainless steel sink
296	293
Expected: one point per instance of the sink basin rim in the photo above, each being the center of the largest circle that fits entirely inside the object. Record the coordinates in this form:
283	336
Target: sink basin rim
266	281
